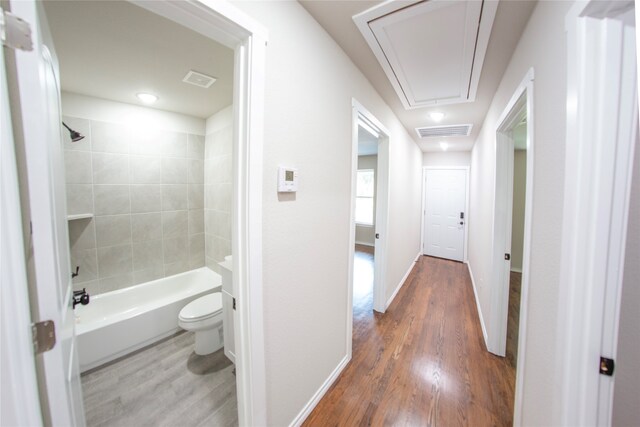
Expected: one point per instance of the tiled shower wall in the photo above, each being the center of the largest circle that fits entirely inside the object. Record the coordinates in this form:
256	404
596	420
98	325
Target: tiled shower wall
218	187
145	188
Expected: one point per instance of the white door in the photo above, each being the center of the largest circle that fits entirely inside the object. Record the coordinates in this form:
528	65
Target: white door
444	214
39	96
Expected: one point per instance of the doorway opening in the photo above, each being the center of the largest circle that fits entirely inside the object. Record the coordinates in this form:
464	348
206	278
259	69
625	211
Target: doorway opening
368	220
169	157
512	231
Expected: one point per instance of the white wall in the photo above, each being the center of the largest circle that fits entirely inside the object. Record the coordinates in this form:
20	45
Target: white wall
310	84
446	158
365	235
543	47
626	395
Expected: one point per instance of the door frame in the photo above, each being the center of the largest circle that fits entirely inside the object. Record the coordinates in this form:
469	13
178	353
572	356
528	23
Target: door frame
358	111
467	170
601	135
228	25
520	105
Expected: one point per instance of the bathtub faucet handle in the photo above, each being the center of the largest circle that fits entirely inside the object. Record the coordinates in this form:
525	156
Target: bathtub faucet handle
76	273
80	297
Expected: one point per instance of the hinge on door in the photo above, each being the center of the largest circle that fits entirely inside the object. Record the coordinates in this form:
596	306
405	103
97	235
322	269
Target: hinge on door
607	366
44	336
15	32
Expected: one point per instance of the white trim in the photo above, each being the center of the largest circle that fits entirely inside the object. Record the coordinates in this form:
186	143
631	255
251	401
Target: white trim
20	400
317	396
401	283
475	294
521	102
467	170
602	120
516	270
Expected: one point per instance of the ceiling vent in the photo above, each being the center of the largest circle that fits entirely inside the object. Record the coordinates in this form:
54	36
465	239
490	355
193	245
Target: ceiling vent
198	79
444	131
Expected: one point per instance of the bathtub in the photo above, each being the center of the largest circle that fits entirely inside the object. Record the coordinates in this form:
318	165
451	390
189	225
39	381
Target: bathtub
116	323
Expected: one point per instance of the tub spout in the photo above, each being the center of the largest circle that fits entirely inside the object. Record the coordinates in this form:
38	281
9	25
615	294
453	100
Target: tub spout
80	297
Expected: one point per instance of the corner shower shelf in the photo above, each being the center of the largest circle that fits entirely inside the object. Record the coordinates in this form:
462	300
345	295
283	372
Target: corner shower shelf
79	216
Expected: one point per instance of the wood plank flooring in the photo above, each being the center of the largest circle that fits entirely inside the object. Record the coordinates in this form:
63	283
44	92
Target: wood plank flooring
422	363
165	384
513	320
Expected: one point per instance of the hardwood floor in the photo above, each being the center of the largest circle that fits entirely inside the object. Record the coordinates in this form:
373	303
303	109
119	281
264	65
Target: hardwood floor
165	384
422	363
513	321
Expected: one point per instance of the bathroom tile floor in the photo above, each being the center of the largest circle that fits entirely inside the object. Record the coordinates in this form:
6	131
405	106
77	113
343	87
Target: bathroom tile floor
165	384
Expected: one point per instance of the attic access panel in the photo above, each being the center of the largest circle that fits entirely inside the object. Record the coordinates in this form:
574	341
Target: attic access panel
432	51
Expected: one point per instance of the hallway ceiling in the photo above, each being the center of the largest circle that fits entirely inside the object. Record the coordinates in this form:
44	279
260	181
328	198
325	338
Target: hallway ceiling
114	49
511	18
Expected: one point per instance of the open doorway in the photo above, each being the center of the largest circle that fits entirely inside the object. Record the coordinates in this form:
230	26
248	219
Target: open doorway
368	220
364	261
170	154
512	231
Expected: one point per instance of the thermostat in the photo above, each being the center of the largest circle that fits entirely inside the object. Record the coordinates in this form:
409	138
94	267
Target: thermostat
287	180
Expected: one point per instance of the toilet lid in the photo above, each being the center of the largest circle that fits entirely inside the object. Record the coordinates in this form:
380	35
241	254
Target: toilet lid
205	306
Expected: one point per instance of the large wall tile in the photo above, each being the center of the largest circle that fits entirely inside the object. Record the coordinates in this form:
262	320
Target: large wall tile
146	198
146	227
113	230
111	199
174	197
196	146
196	221
175	170
109	137
175	250
145	170
79	199
113	283
173	144
175	224
87	260
110	168
196	250
196	196
196	171
149	274
114	261
147	255
77	166
176	268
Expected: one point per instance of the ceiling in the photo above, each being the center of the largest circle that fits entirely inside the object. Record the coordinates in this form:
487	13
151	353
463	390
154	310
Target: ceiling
113	50
511	17
367	143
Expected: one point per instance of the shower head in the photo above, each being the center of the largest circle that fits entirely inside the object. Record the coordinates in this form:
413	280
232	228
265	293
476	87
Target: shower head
75	135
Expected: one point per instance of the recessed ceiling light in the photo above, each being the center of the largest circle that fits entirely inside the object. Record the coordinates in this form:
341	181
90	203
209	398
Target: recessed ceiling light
444	146
436	116
147	98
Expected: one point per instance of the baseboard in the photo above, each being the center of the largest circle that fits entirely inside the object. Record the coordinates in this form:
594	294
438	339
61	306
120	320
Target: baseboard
313	402
516	270
365	244
390	300
475	293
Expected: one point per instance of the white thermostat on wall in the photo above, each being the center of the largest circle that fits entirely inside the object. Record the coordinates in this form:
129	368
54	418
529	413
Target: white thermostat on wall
287	180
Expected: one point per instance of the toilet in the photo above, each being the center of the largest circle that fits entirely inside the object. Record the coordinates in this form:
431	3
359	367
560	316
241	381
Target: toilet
204	317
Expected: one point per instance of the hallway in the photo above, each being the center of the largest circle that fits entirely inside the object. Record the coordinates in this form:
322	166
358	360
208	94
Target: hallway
423	362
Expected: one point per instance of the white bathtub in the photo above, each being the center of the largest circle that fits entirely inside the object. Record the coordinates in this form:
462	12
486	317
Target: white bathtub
119	322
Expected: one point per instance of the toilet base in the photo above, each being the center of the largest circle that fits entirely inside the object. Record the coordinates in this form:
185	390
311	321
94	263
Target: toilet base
208	341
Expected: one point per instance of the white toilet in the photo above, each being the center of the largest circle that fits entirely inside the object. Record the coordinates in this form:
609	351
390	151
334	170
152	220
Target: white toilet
204	317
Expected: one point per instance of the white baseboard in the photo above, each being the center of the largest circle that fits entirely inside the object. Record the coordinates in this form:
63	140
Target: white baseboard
390	300
516	270
475	293
365	244
313	402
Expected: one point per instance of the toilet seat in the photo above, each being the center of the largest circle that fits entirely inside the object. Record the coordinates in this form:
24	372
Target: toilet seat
202	308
